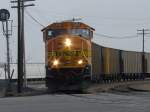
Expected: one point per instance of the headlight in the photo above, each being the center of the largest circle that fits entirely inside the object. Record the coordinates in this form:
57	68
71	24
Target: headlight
55	62
80	62
68	42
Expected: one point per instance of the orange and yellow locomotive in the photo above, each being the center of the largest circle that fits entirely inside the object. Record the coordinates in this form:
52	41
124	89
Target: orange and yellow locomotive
67	53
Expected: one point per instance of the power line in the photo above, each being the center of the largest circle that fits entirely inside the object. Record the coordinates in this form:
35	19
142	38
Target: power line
101	35
115	37
56	13
33	18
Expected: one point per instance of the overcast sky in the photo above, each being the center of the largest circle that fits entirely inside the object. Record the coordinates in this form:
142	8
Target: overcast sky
115	18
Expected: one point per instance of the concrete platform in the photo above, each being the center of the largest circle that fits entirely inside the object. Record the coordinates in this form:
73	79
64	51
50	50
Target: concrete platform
140	87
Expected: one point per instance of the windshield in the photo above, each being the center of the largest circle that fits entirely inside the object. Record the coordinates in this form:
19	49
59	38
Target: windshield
80	32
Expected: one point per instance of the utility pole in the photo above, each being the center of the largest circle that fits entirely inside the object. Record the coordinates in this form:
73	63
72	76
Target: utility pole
21	44
143	32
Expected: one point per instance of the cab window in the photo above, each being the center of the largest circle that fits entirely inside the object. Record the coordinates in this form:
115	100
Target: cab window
81	32
50	33
54	33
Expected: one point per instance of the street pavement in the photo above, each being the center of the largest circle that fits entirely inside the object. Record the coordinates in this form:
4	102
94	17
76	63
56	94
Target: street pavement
102	102
130	101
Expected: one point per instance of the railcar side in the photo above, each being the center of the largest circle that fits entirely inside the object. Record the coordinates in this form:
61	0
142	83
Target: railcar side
132	62
147	64
97	62
110	64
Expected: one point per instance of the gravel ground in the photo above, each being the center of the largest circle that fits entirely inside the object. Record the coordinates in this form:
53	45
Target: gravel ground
38	88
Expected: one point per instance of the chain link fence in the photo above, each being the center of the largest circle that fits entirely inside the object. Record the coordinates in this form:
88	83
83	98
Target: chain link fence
33	71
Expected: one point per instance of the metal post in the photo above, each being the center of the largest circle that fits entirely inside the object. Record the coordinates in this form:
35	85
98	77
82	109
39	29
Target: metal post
8	55
8	90
5	70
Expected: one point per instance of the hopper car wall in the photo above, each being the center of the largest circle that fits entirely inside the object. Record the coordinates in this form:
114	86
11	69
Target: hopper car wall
132	65
97	62
121	61
132	62
147	64
111	64
111	61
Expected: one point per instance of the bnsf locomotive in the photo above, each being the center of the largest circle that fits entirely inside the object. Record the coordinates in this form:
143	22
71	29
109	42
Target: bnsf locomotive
67	54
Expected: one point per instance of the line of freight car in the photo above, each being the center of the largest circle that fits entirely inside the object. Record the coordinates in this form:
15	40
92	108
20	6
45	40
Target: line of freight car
116	65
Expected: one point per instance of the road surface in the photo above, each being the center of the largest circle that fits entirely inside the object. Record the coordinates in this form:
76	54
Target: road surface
102	102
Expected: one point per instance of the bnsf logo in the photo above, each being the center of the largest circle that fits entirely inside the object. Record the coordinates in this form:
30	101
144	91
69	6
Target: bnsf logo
86	53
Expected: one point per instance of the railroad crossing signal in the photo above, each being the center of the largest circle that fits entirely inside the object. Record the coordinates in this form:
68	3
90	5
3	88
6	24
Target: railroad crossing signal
4	15
4	18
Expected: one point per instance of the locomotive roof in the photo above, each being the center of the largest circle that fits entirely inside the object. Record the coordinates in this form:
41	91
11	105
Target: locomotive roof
67	25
